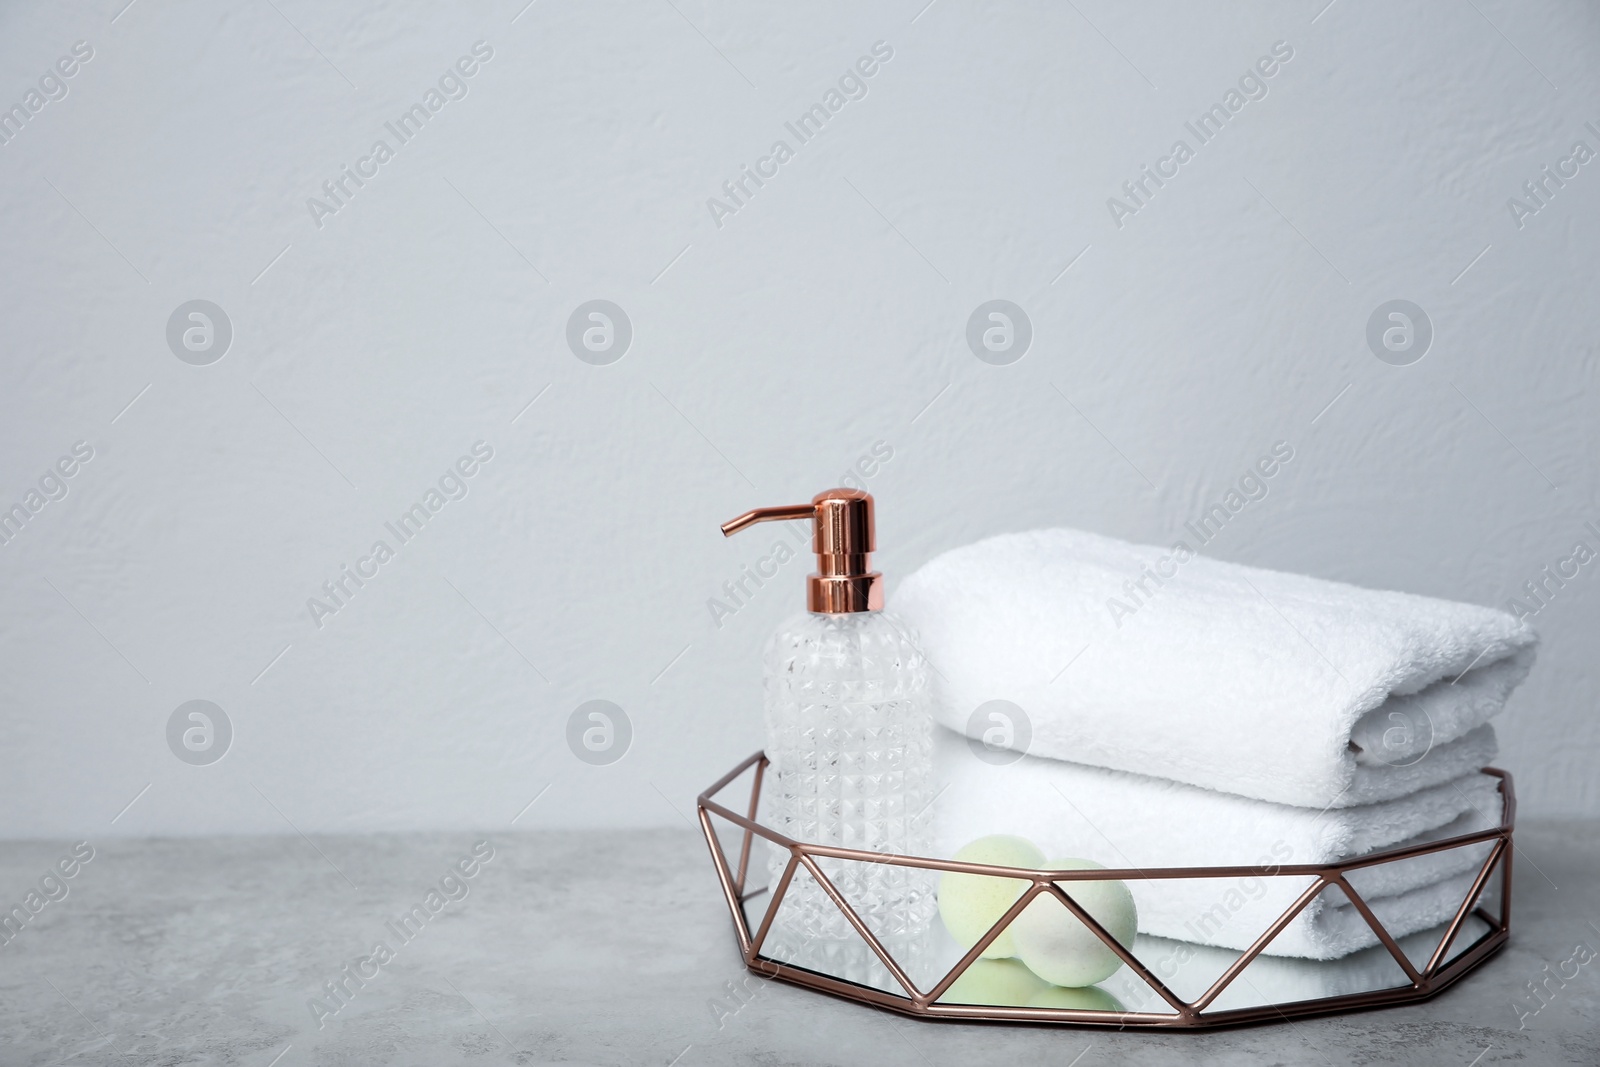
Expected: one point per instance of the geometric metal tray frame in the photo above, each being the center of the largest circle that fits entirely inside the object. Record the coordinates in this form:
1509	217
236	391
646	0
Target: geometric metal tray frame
1437	974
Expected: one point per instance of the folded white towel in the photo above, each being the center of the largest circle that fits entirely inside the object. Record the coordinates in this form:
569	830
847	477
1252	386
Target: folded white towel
1126	820
1276	686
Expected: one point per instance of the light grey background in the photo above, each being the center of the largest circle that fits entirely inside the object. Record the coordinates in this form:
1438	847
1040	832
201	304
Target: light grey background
768	355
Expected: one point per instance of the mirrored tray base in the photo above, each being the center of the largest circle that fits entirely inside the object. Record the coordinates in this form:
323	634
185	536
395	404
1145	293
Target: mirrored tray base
1162	983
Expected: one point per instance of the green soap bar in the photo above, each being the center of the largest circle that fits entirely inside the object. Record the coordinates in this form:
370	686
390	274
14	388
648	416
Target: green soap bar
971	903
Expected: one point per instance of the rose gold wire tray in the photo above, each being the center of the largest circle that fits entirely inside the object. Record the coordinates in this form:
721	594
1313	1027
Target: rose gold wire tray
1437	972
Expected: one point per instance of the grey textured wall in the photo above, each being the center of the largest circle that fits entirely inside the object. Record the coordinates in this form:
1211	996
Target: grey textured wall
814	326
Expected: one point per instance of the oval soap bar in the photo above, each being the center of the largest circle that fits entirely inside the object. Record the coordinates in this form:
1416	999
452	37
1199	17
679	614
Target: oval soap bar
971	903
1062	950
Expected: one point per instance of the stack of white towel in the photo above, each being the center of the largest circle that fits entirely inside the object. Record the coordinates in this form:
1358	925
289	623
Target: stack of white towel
1179	711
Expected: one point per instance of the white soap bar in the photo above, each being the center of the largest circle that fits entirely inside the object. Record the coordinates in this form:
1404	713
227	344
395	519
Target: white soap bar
1062	950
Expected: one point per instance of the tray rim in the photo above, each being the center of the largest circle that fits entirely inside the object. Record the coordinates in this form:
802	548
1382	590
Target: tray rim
1431	979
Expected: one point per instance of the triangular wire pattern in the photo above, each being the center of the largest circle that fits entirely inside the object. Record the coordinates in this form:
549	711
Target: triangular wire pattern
859	925
1385	938
1400	916
848	957
1498	860
968	973
1424	946
1278	928
728	840
1191	968
1251	988
1270	979
972	955
1060	891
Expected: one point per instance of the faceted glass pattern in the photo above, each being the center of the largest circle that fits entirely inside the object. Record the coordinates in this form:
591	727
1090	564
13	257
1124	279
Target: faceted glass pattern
849	740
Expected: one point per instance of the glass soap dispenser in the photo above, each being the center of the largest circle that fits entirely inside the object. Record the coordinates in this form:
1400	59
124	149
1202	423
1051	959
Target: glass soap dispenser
849	736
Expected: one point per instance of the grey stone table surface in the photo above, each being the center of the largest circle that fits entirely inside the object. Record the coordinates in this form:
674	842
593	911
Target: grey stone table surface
609	948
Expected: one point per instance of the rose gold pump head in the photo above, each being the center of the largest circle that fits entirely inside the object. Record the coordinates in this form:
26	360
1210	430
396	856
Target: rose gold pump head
843	539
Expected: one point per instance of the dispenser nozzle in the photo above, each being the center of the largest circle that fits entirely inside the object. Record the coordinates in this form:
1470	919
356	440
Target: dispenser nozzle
843	539
755	515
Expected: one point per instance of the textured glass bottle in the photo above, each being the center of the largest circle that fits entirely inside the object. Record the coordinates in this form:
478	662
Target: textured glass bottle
849	737
849	745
